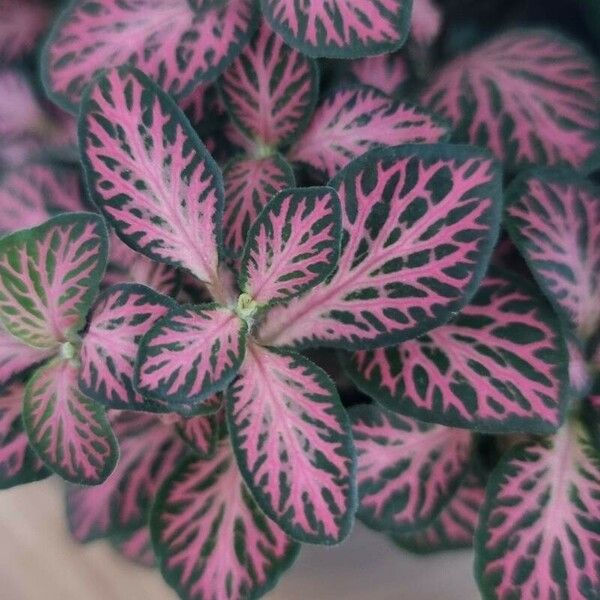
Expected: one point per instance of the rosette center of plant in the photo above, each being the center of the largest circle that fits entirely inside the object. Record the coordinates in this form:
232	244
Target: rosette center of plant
68	350
246	307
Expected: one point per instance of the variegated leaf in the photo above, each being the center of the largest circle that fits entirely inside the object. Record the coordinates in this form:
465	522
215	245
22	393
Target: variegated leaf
23	23
136	546
293	245
500	366
386	72
128	127
49	276
167	39
68	431
211	539
200	433
292	440
407	470
16	357
419	224
340	28
530	96
539	531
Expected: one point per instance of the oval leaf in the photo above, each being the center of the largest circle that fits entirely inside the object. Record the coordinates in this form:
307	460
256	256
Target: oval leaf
350	121
419	224
340	28
128	128
69	432
49	277
293	245
530	96
386	72
292	440
426	22
500	366
407	470
164	38
211	539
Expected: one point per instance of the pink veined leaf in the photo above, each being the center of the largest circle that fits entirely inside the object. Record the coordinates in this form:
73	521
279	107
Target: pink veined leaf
122	315
49	276
136	546
539	531
293	245
340	28
293	444
270	90
171	214
408	471
418	226
350	121
23	23
500	366
454	527
530	96
386	72
67	430
200	433
249	184
150	450
19	464
426	22
175	45
211	539
191	353
16	357
554	220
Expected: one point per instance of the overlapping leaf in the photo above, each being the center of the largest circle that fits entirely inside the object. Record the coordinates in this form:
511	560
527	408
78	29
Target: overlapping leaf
270	89
23	22
211	539
16	357
500	366
539	532
530	96
292	441
201	433
167	39
49	276
172	214
340	28
68	431
407	470
293	245
419	224
386	72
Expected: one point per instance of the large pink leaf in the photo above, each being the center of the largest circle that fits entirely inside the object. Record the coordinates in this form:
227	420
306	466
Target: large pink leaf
69	431
16	357
212	541
167	39
150	451
172	213
419	224
49	276
530	96
539	532
554	219
191	353
500	366
386	72
426	21
292	246
270	89
292	440
136	546
407	470
249	184
352	120
123	314
340	28
18	462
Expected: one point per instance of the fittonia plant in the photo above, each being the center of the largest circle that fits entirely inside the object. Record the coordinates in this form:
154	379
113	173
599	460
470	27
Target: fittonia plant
297	317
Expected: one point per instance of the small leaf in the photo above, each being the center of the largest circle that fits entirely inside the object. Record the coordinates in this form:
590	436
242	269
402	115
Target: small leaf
407	470
386	72
69	432
426	22
16	357
191	353
293	245
211	539
49	276
539	531
419	224
135	546
340	28
200	433
270	90
172	214
500	366
349	121
292	440
23	23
